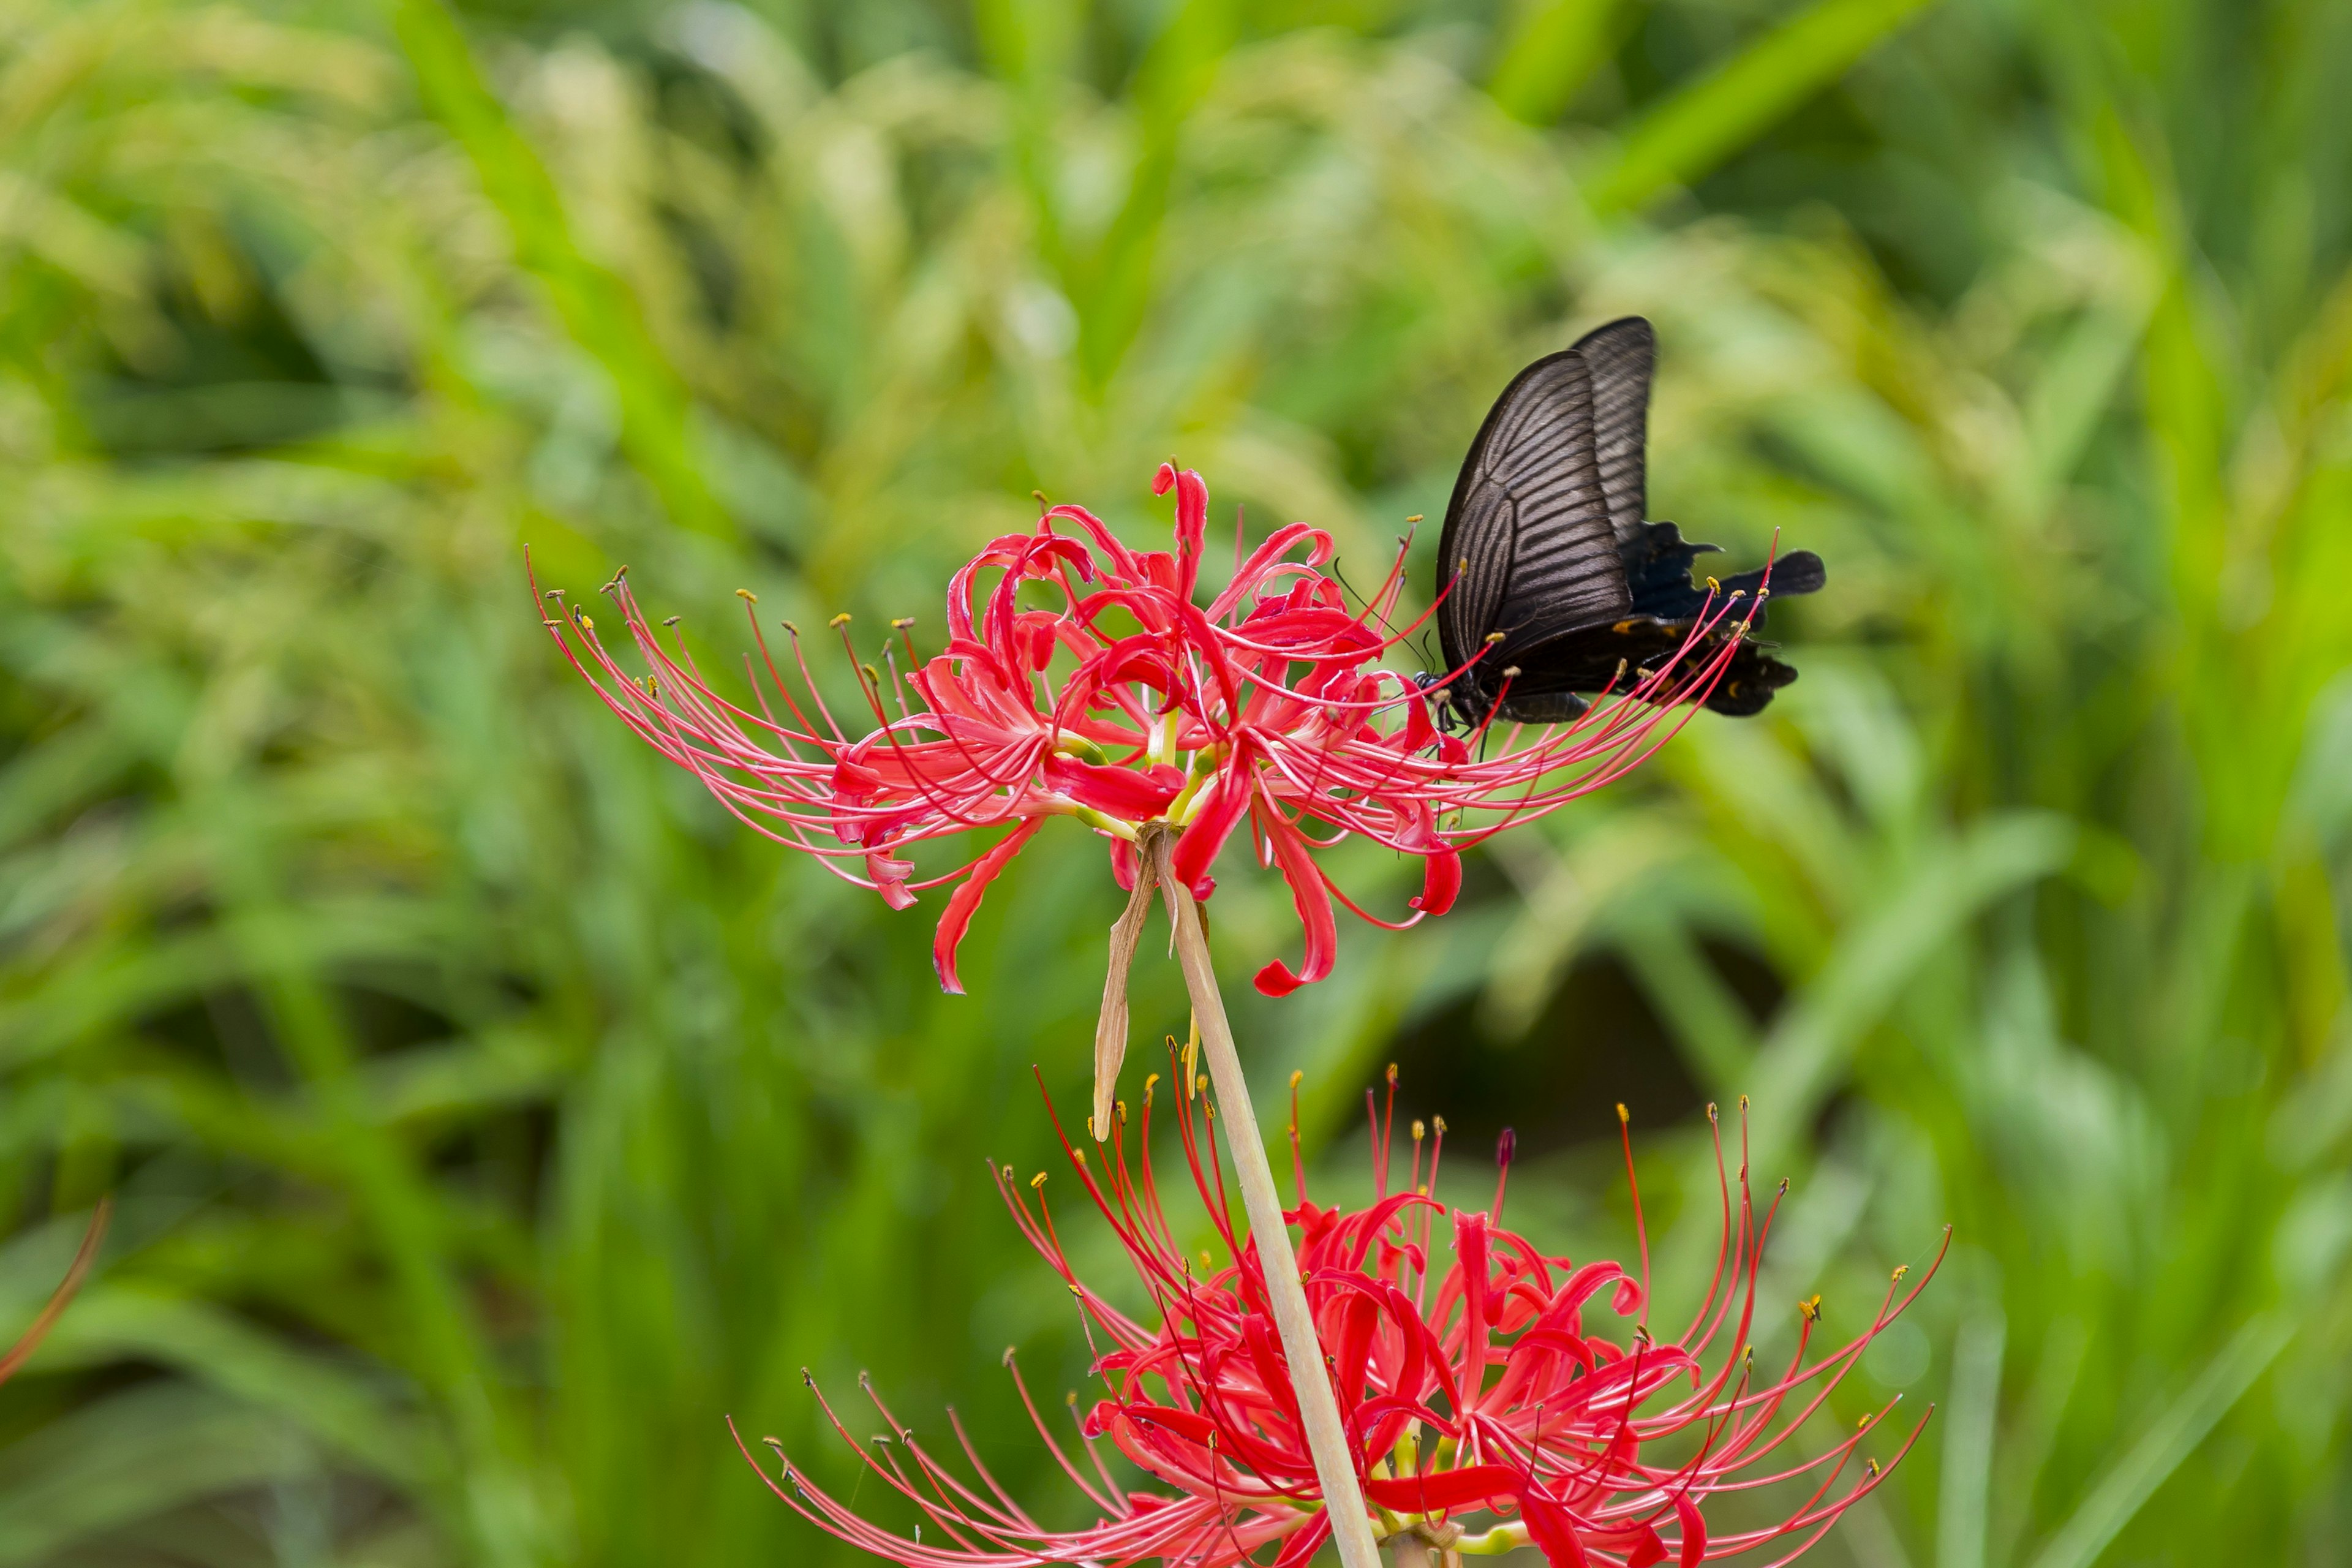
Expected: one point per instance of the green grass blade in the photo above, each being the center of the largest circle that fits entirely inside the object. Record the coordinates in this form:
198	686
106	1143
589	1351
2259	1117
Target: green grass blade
2175	1435
595	306
1552	53
1706	122
1963	1507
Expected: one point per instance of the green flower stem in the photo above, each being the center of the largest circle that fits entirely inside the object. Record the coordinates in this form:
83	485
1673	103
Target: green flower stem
1351	1528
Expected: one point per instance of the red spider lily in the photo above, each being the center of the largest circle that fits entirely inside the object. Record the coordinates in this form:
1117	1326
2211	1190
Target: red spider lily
1133	707
1484	1412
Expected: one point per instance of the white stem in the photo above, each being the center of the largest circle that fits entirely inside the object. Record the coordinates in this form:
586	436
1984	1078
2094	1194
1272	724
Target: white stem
1327	1439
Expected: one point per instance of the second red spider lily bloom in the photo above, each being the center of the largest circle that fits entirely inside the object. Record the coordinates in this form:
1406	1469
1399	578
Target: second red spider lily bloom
1489	1404
1085	679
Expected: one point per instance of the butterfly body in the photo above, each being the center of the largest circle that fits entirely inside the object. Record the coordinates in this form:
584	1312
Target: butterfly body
1554	585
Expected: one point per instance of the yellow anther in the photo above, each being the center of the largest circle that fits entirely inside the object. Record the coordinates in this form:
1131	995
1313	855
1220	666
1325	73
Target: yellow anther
1420	1130
1079	1156
1120	1107
1200	1084
1295	1077
586	624
1862	1425
1713	586
1710	1110
1149	1080
1743	1105
1036	1181
1622	1119
1438	1122
1492	637
902	623
1871	1466
1206	1262
1810	1309
1510	672
839	621
1393	1075
748	597
1414	518
1900	1270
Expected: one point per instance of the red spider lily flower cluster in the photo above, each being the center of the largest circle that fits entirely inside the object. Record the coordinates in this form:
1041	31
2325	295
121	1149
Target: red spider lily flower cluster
1483	1411
1130	705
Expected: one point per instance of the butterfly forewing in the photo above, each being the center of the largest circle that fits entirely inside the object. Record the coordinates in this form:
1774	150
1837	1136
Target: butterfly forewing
1528	538
1619	357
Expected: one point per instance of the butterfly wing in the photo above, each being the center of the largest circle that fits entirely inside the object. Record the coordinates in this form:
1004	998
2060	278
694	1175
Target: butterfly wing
1588	660
1527	549
1620	358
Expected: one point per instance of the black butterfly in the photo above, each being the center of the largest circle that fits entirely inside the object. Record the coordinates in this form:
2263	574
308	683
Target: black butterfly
1547	556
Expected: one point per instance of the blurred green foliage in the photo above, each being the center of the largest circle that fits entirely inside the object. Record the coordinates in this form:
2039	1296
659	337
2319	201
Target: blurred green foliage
490	1114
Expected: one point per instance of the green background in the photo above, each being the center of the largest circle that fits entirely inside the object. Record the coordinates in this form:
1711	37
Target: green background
489	1114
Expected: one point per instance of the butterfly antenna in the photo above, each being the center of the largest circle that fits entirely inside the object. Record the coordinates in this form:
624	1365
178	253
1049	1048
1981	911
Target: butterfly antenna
1386	624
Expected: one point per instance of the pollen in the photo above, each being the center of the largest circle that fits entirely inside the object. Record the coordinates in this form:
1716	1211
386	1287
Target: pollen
1810	1309
746	594
1420	1130
1713	586
1036	1181
1900	1270
1295	1077
1622	1119
839	621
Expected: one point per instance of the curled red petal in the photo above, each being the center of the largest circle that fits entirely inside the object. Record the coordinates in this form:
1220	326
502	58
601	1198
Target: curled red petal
1192	521
1222	801
1123	792
965	899
1313	900
1441	882
891	874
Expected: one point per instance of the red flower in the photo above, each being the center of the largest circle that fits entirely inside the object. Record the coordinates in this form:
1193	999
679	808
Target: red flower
1483	1411
1130	705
